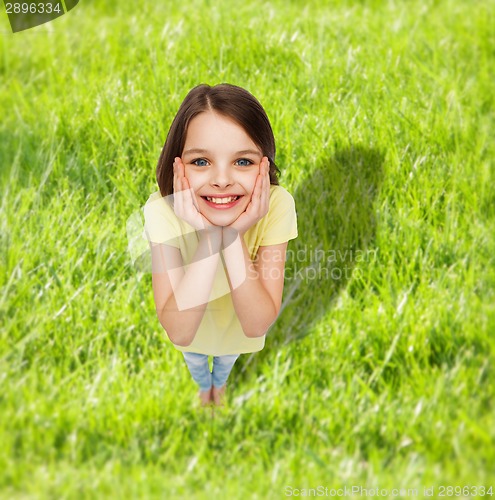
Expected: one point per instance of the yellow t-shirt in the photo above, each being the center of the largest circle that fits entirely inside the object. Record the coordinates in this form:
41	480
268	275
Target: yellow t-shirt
220	331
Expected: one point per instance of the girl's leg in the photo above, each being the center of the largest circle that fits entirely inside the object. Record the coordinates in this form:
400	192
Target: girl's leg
200	371
222	366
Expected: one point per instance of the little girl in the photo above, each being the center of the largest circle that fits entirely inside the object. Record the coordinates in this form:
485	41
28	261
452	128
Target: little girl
218	230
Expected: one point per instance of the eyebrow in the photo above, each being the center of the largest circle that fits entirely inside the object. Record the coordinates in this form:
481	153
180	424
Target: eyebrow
205	151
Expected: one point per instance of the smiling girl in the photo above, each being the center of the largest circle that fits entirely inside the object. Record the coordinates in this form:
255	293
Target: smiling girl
218	230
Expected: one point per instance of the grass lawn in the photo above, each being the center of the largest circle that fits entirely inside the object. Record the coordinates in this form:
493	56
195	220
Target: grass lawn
379	372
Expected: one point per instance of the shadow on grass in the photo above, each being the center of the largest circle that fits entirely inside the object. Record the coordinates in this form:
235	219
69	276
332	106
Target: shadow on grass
336	224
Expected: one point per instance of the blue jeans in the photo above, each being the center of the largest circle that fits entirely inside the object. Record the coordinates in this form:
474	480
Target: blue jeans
200	371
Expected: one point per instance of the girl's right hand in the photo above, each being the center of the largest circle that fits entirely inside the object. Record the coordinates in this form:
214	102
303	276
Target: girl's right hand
185	203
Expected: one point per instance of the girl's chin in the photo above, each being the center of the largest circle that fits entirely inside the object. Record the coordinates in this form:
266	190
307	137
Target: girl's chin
223	217
222	220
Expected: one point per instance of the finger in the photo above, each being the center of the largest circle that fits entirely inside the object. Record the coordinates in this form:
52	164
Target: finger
267	176
265	190
268	173
191	205
258	186
180	204
190	196
265	197
267	165
256	198
174	168
263	165
178	196
185	183
177	176
180	168
186	191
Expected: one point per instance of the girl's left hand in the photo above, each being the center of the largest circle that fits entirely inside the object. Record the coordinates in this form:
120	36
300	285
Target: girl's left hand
259	204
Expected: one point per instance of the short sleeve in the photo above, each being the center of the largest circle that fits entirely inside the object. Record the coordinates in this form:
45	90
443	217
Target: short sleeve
281	224
160	222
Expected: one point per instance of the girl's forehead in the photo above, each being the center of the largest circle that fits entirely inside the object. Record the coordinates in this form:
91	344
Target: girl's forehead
210	129
213	120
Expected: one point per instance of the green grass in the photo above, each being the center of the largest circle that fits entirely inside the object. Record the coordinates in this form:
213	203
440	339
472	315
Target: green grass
381	377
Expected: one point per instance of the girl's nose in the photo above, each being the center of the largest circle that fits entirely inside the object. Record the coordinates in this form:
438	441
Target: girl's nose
221	177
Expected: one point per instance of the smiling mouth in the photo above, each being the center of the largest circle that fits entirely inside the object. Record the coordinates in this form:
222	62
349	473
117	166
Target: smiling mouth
224	200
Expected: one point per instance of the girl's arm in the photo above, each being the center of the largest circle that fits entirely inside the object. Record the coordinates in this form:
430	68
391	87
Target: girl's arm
256	286
181	292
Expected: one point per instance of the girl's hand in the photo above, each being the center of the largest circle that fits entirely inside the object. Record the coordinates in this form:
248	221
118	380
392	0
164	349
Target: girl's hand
259	204
185	203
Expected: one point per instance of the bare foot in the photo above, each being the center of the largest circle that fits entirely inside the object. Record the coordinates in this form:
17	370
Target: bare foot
206	397
219	395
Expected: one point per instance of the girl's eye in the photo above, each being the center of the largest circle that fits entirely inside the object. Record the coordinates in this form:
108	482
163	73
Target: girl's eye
244	162
200	162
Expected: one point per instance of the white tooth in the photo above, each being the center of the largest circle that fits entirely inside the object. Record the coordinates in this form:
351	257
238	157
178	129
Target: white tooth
221	201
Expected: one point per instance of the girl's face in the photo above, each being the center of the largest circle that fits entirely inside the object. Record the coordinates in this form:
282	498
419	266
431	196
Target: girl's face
221	164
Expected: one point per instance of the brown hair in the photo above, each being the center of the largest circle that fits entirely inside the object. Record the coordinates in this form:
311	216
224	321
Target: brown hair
228	100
